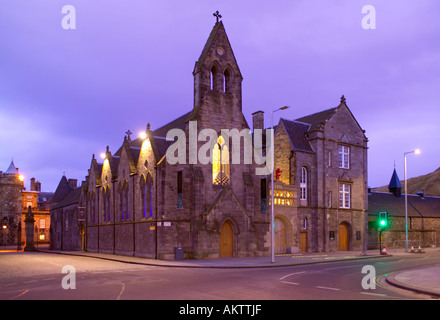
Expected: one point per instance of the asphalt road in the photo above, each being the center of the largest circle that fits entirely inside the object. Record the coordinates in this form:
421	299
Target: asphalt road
40	276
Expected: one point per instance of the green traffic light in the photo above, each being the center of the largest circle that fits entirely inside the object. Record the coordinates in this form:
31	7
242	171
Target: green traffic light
383	222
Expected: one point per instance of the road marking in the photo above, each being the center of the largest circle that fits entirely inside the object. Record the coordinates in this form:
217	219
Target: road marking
24	292
375	294
288	282
122	290
356	265
292	275
328	288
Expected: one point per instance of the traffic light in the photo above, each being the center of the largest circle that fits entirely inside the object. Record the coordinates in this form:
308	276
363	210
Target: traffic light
383	220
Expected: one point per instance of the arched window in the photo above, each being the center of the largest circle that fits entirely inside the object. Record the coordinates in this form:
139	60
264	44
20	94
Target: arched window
144	196
226	81
104	197
147	196
94	207
220	163
213	75
303	184
123	200
107	202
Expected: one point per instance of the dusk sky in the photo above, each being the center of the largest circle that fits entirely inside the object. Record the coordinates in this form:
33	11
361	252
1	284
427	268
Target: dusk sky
67	94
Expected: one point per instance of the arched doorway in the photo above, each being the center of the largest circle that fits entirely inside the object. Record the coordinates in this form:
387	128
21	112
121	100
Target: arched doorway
226	240
280	237
343	236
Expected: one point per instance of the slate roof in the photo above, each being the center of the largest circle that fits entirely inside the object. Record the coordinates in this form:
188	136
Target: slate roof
317	119
71	198
297	134
11	169
427	206
62	190
395	182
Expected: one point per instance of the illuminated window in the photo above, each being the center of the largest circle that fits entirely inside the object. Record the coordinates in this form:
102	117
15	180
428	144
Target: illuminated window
344	195
220	163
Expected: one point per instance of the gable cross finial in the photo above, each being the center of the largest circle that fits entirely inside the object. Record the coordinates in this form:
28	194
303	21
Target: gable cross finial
343	99
217	15
129	133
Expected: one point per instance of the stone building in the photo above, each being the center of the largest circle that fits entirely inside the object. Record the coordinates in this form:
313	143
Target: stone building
11	186
423	221
41	217
67	223
149	199
323	156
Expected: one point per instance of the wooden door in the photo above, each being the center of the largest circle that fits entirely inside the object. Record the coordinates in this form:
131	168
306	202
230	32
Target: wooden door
303	241
343	236
280	237
226	240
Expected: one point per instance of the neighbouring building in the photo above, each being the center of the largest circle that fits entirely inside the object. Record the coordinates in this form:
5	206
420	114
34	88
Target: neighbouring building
138	202
323	159
423	222
11	186
67	225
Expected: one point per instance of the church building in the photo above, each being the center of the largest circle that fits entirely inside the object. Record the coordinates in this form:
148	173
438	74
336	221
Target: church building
142	202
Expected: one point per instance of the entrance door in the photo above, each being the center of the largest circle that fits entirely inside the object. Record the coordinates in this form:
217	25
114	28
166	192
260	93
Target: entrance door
280	237
303	241
343	236
226	240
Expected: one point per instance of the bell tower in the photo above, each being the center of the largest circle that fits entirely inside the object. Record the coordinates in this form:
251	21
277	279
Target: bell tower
217	79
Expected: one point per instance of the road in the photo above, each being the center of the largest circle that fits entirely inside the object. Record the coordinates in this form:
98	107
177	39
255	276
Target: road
39	276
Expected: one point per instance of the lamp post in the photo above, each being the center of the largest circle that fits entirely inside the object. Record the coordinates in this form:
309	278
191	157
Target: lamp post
272	215
417	151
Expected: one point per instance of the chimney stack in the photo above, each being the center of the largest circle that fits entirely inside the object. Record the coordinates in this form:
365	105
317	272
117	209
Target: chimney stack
73	183
33	184
258	120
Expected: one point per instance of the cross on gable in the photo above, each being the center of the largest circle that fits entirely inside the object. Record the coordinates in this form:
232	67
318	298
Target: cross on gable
129	133
217	15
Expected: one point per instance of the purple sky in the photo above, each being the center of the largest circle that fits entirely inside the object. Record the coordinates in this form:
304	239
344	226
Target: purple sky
66	94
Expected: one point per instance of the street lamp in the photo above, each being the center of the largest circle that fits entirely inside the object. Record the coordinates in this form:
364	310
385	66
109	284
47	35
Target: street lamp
272	215
417	151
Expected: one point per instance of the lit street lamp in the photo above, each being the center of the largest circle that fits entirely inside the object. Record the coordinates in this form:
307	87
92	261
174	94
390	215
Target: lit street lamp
417	151
272	215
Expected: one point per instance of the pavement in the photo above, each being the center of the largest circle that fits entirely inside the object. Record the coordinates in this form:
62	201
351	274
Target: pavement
425	280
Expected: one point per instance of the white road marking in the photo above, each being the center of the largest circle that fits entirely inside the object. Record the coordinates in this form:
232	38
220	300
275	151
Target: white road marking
356	265
374	294
328	288
122	290
288	282
292	275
